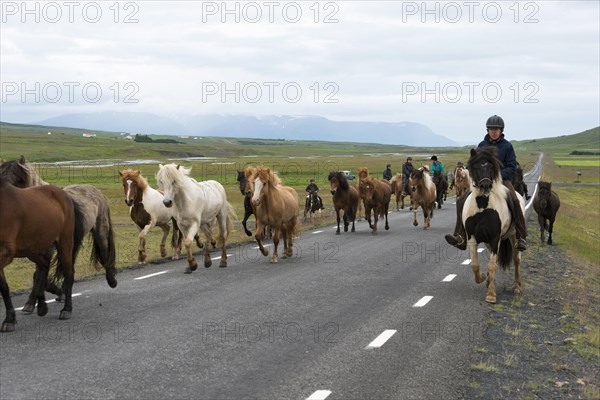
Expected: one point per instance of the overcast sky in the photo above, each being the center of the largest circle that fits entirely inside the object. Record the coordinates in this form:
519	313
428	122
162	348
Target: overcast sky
448	65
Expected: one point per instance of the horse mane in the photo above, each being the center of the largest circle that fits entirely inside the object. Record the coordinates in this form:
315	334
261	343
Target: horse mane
135	176
396	178
268	175
485	154
420	174
20	173
341	177
174	172
545	185
363	172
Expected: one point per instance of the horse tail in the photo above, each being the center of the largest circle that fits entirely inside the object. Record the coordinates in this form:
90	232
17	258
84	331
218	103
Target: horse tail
505	254
228	225
103	249
78	235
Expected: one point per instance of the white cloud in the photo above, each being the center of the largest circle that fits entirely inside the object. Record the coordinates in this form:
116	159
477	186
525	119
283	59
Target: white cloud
373	54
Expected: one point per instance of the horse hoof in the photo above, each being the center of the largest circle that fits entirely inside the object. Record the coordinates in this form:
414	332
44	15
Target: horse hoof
517	290
8	327
223	264
265	252
163	252
345	229
248	233
187	270
490	299
415	224
550	242
42	309
387	228
65	315
28	308
352	230
207	264
480	279
112	282
337	232
274	260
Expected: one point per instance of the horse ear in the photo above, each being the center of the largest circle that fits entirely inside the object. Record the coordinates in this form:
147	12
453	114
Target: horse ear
160	166
178	165
139	172
120	173
22	160
473	152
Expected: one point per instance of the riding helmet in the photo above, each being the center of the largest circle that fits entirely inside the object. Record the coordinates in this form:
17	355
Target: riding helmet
434	158
495	122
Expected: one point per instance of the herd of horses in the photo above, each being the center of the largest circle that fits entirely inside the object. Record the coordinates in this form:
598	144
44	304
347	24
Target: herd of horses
67	215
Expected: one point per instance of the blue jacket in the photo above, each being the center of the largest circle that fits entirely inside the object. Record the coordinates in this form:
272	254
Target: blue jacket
505	153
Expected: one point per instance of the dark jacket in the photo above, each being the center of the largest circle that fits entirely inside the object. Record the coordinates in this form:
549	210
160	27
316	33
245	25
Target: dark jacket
312	187
407	169
505	153
387	174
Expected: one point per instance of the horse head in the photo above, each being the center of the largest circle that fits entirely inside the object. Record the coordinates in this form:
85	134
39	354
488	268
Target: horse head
363	172
338	180
485	168
241	178
169	178
367	188
262	177
134	185
416	179
544	193
20	173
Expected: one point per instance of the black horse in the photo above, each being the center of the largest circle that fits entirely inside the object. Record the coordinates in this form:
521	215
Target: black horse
313	204
241	178
519	183
441	186
546	205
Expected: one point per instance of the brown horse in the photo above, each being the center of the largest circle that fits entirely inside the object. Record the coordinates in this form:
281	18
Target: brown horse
376	195
396	183
24	213
423	194
276	206
546	204
462	181
345	197
96	220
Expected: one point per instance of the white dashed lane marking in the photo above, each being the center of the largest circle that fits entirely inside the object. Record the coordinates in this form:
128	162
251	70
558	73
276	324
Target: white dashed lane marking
381	339
319	395
52	301
424	300
139	278
449	278
466	262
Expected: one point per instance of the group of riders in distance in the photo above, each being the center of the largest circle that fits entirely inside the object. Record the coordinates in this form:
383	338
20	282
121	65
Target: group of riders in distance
488	210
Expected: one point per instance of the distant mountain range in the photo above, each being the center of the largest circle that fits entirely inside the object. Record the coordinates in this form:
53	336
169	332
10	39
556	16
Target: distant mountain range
264	127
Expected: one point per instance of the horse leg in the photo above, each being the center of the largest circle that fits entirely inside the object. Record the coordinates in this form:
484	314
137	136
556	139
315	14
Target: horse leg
175	241
247	213
491	279
224	234
288	240
8	325
337	215
165	228
387	225
66	260
275	257
192	264
346	219
209	239
479	277
542	223
517	262
550	227
259	235
40	278
142	250
375	220
414	209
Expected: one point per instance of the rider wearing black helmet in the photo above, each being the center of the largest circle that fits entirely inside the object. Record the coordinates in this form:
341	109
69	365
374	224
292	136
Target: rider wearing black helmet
506	154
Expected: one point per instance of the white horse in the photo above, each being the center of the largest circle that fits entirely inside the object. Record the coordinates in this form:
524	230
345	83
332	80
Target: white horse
487	219
196	206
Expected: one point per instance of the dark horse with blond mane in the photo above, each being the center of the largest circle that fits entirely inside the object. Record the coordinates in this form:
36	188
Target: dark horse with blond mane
376	195
487	219
546	204
34	220
423	194
276	206
345	197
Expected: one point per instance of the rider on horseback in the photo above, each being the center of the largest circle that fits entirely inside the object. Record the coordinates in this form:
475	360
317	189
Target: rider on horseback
313	188
436	165
506	154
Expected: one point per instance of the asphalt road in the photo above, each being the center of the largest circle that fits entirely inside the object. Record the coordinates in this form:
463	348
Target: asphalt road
395	315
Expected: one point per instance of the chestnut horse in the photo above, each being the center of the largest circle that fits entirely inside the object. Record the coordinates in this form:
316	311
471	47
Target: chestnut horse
396	183
96	220
423	194
276	206
546	204
376	195
345	197
462	181
487	219
33	221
